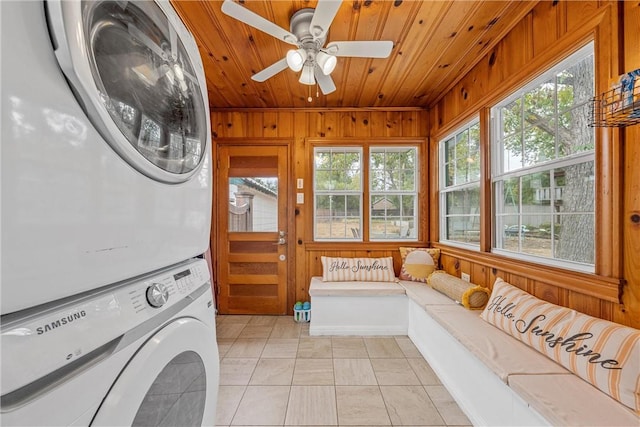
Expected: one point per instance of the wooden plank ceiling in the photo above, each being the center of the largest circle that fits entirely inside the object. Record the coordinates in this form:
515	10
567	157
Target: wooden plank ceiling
435	44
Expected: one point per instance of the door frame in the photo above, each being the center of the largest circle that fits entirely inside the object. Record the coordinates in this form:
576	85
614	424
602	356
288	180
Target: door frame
291	212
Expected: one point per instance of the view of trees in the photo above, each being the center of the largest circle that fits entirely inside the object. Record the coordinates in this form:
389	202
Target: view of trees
461	194
546	129
339	189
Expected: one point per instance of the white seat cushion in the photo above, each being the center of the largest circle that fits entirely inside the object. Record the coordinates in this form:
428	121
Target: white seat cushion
320	288
503	354
568	400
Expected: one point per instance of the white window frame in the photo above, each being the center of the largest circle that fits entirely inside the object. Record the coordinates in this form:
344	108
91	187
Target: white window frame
365	151
445	190
413	236
499	176
332	192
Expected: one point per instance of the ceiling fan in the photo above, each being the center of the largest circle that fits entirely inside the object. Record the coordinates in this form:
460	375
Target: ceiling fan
308	33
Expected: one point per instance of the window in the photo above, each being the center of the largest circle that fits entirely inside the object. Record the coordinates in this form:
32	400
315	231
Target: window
339	193
393	193
543	175
460	186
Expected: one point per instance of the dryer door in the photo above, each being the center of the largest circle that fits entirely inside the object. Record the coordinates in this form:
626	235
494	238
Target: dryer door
138	75
171	381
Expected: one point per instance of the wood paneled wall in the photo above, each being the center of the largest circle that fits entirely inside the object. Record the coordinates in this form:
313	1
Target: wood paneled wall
549	32
297	127
631	197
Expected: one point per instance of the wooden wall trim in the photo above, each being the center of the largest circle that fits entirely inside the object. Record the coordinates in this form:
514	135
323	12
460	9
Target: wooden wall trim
358	246
315	109
486	194
605	288
630	215
238	140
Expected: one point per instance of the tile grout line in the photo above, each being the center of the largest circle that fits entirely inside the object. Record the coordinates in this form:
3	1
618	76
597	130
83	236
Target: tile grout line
300	332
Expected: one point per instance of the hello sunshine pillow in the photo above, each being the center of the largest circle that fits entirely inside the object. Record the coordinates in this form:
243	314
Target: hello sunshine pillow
603	353
336	269
418	263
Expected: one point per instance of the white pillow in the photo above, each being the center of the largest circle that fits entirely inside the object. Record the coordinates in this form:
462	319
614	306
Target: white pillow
357	269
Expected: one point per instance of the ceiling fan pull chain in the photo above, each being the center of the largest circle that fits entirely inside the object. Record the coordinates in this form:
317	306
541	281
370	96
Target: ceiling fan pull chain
309	98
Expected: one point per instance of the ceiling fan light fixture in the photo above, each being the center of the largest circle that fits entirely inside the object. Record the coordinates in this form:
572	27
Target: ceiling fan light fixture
296	58
326	62
306	77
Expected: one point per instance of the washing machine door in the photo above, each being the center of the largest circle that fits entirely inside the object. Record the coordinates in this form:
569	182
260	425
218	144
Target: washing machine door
171	381
137	73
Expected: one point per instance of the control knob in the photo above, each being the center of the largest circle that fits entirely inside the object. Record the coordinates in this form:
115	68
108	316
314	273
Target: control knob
157	295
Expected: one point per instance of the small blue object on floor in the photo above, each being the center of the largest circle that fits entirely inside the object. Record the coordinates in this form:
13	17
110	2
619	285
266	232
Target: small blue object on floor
302	312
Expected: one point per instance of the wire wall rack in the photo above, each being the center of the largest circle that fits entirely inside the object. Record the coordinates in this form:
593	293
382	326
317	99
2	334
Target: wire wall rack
616	108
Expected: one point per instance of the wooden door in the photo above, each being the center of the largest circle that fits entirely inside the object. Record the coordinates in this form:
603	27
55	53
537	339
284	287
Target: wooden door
252	241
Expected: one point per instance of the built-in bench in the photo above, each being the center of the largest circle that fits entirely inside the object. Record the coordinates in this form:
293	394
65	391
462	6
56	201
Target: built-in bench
357	308
494	378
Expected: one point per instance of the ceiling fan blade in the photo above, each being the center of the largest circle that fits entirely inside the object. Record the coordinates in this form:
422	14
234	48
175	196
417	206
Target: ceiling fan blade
145	40
364	49
245	15
323	16
174	42
270	71
325	82
191	77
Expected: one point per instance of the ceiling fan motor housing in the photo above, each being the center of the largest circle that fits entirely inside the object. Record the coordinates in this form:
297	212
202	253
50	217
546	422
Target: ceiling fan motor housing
300	25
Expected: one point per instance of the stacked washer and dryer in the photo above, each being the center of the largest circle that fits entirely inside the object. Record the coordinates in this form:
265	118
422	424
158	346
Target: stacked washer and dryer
107	312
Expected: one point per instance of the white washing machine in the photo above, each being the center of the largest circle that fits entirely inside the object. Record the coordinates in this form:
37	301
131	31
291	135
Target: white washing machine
105	128
141	353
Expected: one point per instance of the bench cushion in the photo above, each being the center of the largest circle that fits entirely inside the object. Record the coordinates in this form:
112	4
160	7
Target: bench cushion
499	351
566	400
320	288
604	353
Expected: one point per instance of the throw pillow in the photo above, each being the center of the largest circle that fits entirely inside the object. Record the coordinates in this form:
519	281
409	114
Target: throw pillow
471	296
357	269
418	263
603	353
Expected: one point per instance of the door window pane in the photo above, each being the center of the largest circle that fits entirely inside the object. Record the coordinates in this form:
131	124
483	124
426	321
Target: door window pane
253	204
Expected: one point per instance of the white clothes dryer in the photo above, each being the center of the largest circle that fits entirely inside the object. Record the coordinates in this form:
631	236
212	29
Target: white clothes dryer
106	170
143	352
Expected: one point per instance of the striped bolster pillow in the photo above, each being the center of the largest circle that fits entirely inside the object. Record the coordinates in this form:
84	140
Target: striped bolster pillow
603	353
357	269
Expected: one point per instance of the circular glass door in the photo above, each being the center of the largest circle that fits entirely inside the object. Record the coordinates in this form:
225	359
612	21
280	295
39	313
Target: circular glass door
137	81
172	380
177	396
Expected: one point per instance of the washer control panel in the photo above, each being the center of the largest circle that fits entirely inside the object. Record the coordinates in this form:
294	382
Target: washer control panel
76	328
157	295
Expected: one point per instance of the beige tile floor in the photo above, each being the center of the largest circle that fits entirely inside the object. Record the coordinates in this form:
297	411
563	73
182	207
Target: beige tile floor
272	373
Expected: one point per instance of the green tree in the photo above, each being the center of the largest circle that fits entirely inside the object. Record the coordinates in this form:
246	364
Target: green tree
547	123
